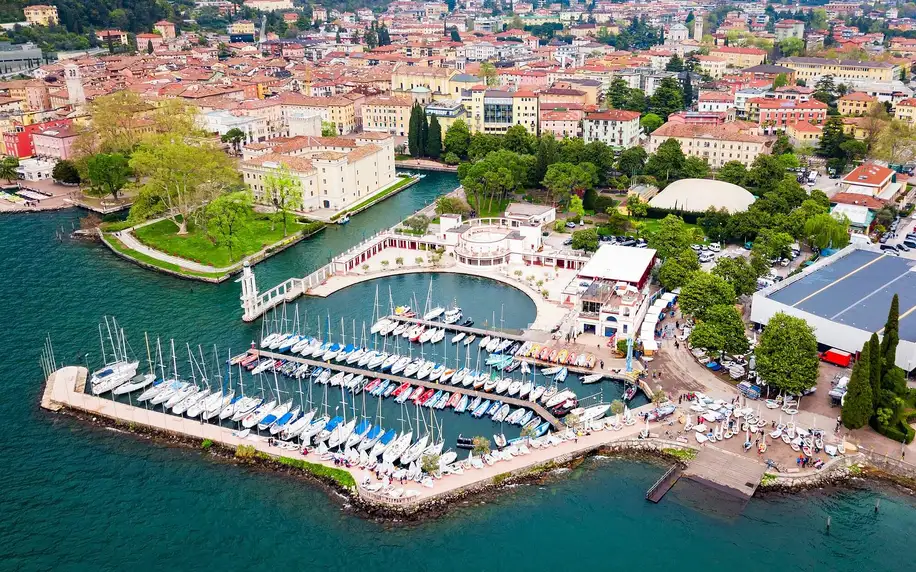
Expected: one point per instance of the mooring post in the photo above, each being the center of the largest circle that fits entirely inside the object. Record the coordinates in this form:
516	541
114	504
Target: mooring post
877	503
828	523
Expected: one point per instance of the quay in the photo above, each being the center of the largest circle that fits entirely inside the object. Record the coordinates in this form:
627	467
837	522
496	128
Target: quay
661	487
479	332
537	407
725	471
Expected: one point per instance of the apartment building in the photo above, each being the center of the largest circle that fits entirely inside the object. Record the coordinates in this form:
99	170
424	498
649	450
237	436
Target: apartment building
785	29
776	114
613	127
495	110
812	69
387	114
717	144
855	103
41	15
906	111
739	57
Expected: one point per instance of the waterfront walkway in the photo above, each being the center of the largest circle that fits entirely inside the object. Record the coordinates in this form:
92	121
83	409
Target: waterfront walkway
131	242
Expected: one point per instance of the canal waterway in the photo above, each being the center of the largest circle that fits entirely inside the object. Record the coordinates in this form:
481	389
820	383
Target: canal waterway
80	498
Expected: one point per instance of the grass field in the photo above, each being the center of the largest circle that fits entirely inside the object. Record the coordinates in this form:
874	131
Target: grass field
487	210
196	246
651	225
116	244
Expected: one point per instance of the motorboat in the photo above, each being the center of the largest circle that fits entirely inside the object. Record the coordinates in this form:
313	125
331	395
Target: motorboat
493	344
452	315
592	378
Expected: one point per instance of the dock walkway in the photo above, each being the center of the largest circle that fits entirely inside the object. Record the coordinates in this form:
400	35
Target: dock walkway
513	335
537	407
664	484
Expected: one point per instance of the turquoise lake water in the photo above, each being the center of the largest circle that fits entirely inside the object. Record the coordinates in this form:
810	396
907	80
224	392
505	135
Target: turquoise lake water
75	497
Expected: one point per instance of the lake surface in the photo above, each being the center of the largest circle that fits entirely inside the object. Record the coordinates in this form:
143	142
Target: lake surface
75	497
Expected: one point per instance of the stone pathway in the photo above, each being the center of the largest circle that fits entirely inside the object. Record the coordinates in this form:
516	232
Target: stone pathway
131	242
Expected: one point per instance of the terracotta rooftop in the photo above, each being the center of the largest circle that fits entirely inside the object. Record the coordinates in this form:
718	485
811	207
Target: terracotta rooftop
613	115
869	174
723	132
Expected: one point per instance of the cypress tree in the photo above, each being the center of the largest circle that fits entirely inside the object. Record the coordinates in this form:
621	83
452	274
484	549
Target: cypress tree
874	368
857	405
434	139
891	337
424	131
688	91
413	132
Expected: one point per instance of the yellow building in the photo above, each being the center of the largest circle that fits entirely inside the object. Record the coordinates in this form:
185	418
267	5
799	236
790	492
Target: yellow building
714	66
436	80
738	57
41	15
495	110
336	110
812	69
387	114
855	103
241	27
906	111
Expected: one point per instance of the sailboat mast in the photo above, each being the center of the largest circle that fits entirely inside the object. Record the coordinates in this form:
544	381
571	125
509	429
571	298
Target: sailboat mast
149	357
159	354
174	360
102	343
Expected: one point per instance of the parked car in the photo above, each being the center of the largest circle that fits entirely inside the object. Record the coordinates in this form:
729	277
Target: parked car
570	224
706	257
567	242
910	243
903	247
784	262
696	247
715	247
628	242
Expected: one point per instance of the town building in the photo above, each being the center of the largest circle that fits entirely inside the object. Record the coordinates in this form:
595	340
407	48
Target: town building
715	101
333	173
776	114
613	127
785	29
804	134
739	57
55	143
19	140
41	15
447	112
906	111
717	144
166	29
872	180
495	110
713	66
810	70
855	103
113	37
387	114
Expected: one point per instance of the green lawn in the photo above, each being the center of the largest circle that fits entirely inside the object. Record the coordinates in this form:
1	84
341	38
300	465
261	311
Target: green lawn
375	197
116	244
651	225
196	246
488	210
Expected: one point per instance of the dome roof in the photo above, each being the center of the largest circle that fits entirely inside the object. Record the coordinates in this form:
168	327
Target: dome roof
697	195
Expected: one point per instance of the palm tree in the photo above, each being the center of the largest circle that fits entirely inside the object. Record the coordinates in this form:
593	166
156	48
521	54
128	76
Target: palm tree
659	397
419	260
481	445
617	407
8	168
399	261
234	136
365	267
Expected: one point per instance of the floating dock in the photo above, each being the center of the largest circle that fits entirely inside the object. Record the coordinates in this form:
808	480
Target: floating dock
657	491
479	332
536	407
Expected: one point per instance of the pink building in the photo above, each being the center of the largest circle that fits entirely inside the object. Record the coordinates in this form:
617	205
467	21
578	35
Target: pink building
144	39
562	123
56	143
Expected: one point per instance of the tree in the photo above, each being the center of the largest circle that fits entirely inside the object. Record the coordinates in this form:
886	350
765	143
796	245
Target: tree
234	137
649	123
430	464
8	167
564	178
832	137
714	223
827	231
722	330
226	216
418	224
792	47
451	205
739	273
372	38
328	129
546	155
896	142
703	291
687	88
482	144
677	270
673	236
675	64
481	445
766	172
585	240
458	138
787	355
780	80
415	140
65	171
733	172
632	161
455	36
518	140
434	139
858	405
108	173
667	162
576	207
618	93
890	337
284	191
179	177
637	207
488	73
874	366
772	244
667	99
696	168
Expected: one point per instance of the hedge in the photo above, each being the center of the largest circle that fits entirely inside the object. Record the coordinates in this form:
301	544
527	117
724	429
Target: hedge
900	433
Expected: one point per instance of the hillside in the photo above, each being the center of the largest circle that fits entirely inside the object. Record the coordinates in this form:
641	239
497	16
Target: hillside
79	16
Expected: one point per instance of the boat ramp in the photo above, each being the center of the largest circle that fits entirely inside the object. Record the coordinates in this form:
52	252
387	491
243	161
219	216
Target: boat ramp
726	471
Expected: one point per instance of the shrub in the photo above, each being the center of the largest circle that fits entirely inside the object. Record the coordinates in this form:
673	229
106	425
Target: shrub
603	203
343	478
206	444
116	226
898	431
451	158
245	452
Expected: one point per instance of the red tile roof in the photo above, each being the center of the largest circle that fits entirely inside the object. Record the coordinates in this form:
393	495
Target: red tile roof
613	115
868	174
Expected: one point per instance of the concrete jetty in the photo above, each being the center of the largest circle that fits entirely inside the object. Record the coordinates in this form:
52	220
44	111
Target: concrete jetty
537	407
726	471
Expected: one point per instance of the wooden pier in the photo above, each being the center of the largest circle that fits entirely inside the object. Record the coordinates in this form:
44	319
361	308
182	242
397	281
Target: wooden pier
726	471
479	332
371	374
664	484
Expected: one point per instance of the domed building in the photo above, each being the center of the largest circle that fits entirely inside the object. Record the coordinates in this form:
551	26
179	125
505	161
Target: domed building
697	195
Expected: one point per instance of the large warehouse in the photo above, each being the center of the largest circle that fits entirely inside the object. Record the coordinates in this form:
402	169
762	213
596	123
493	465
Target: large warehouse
846	298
